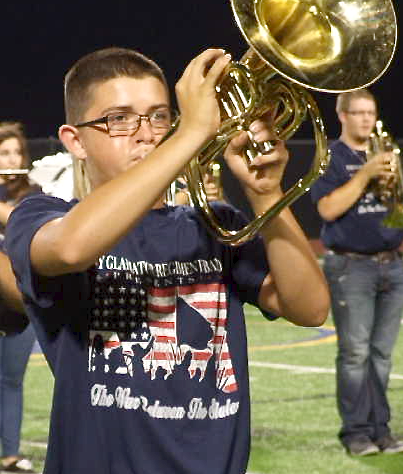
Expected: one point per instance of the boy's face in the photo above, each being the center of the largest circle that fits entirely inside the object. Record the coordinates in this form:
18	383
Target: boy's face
109	156
359	120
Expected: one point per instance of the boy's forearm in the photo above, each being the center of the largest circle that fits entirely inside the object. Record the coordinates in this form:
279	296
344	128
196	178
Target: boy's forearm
296	287
94	225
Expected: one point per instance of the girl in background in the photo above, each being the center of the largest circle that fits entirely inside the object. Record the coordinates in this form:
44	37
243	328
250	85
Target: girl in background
15	348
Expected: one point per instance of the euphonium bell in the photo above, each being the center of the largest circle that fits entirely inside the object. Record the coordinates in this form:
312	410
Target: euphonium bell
294	44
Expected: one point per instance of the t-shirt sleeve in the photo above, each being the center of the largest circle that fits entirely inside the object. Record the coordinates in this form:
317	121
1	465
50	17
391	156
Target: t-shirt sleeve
332	179
249	261
25	220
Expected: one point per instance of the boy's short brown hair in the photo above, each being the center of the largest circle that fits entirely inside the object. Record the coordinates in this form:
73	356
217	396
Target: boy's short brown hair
98	67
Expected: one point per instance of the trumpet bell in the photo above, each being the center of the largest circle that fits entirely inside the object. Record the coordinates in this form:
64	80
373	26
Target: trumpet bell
321	44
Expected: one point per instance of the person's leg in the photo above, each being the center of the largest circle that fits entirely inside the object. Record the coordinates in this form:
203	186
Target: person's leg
353	286
15	355
388	315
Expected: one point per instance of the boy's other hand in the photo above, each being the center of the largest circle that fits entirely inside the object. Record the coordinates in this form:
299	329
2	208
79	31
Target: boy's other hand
262	179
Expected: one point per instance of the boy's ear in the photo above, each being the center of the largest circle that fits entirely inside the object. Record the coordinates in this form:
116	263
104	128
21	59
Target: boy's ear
70	138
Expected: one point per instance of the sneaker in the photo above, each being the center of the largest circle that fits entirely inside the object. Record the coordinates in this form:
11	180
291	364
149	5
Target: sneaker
20	465
362	446
389	445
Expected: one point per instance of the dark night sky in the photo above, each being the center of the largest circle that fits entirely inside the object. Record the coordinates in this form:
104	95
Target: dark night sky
42	39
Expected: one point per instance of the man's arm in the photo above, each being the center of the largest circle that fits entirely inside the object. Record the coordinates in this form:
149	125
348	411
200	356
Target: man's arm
340	200
295	288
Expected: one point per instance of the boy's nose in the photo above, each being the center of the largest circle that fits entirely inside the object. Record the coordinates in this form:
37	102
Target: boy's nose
145	131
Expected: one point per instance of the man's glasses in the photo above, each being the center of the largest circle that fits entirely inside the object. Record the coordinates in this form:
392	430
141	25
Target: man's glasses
120	123
361	113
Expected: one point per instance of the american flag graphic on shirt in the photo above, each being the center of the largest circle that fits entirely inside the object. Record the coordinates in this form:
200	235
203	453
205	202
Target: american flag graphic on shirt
145	321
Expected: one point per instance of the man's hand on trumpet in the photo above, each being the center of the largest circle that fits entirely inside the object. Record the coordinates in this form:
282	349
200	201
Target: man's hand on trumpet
382	166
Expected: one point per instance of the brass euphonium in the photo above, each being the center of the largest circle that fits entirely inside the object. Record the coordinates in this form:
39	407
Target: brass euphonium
389	192
324	45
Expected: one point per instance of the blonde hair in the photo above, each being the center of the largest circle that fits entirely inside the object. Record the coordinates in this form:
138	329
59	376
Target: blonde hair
81	182
344	100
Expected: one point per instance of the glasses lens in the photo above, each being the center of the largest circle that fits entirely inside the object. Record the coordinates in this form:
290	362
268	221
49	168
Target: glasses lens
161	118
123	121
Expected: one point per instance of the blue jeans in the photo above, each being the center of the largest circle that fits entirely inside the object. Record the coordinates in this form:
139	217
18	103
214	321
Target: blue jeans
14	354
367	303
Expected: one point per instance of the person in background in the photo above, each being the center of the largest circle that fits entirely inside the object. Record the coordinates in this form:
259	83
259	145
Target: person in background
364	270
16	345
139	311
212	186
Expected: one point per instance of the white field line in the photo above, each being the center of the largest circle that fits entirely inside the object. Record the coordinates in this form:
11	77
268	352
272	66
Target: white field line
303	369
35	444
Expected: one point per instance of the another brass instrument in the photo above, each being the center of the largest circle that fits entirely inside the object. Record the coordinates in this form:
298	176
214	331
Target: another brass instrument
211	175
325	45
389	192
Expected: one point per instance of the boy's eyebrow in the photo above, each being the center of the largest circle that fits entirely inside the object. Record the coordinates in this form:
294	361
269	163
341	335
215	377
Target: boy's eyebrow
129	108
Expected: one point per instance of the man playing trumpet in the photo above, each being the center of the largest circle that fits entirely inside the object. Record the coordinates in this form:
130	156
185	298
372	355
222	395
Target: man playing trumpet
364	270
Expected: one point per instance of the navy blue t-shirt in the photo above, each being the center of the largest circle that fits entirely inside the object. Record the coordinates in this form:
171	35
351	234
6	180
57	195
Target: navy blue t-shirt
360	228
148	347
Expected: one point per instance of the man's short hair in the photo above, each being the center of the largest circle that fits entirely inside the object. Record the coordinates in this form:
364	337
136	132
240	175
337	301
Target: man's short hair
98	67
344	99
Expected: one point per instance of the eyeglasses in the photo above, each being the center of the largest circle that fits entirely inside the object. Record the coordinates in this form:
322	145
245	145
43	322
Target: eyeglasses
119	123
361	113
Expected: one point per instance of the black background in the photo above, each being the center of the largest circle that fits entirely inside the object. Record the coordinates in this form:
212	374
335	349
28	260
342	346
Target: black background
42	39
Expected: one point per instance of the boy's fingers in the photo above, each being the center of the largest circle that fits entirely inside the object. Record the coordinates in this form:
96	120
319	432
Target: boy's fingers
217	68
277	155
236	145
198	65
262	130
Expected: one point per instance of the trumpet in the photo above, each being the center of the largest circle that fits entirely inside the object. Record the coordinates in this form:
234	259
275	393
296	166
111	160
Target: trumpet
212	179
294	45
389	192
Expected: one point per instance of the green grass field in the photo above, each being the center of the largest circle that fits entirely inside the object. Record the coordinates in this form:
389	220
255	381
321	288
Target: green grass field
294	417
